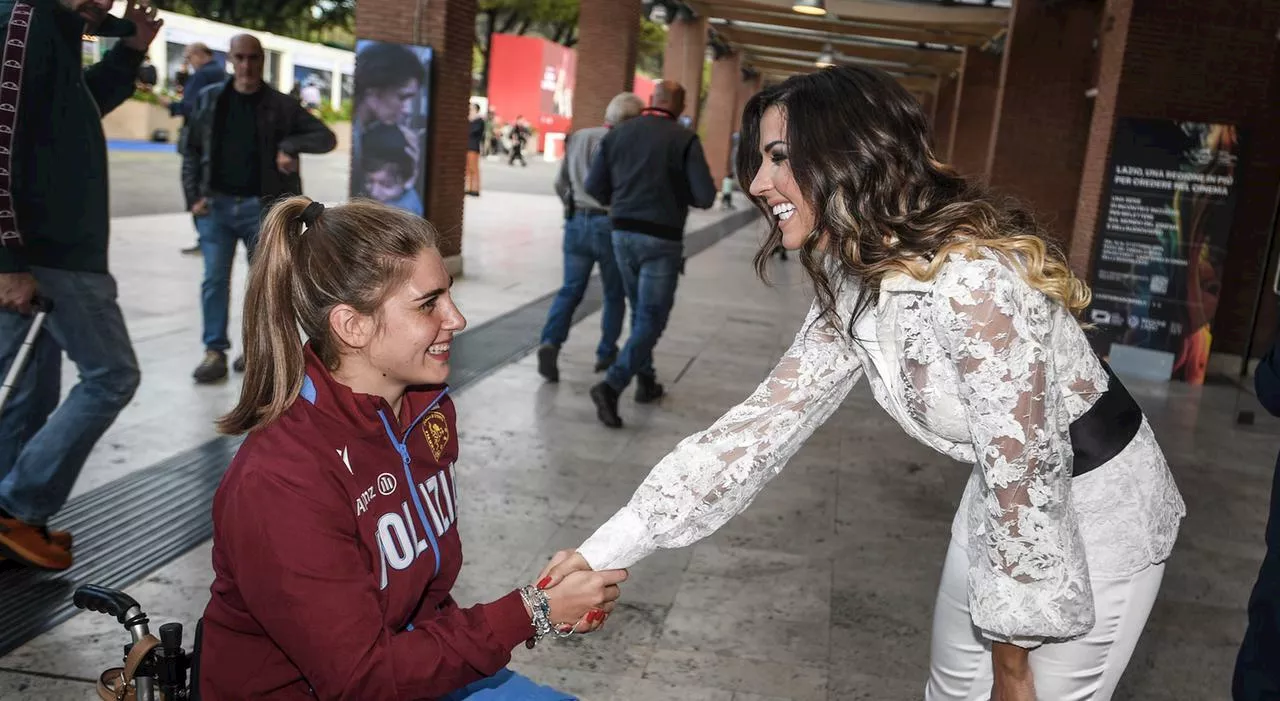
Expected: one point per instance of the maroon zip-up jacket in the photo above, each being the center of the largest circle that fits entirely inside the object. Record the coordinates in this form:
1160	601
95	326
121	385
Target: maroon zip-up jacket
331	579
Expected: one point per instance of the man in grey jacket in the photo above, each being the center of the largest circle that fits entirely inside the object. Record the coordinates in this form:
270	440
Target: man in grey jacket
649	171
588	240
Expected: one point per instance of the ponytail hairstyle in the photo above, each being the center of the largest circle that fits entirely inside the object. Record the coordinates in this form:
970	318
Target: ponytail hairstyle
353	254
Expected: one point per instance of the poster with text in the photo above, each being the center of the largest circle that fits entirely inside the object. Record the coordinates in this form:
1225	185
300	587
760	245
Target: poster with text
1157	267
391	111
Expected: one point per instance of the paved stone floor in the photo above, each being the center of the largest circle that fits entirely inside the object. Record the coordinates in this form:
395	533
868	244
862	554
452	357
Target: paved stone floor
823	589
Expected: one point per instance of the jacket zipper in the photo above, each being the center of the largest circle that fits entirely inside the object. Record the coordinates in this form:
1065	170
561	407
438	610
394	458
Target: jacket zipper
407	461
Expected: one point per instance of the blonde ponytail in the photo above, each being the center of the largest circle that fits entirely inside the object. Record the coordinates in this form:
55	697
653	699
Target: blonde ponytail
274	361
353	254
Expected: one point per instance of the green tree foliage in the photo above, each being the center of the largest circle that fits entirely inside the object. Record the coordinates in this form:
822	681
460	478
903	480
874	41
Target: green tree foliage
330	21
650	49
556	20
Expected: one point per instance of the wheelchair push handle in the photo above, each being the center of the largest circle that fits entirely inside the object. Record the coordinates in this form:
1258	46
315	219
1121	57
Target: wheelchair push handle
109	601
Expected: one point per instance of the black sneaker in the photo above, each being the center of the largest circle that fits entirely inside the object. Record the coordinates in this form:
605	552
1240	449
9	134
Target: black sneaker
647	389
605	398
606	362
212	369
192	251
238	365
547	367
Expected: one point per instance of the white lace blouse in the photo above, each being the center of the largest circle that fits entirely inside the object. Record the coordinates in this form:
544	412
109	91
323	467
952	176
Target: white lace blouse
980	366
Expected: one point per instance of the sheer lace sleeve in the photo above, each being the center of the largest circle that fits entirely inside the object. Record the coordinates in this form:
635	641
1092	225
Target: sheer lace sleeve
714	475
1028	580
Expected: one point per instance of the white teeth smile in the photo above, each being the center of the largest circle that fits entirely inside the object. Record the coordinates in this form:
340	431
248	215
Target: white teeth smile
439	349
784	211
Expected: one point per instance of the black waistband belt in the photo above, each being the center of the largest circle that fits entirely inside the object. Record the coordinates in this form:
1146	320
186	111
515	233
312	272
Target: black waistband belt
1107	428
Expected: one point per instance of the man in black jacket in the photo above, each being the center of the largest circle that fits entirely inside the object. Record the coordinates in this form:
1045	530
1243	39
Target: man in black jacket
1257	674
648	171
241	154
54	227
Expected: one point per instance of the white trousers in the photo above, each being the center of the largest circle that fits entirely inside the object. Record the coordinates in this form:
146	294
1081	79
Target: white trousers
1084	669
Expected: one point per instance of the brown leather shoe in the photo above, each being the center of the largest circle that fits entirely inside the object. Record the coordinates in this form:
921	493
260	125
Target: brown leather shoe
62	539
33	545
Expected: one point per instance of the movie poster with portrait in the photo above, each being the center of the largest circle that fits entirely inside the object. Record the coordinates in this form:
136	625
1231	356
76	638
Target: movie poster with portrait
391	114
1166	218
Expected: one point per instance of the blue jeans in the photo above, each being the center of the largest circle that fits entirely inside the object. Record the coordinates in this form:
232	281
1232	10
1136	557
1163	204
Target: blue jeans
43	446
588	240
650	269
507	686
230	219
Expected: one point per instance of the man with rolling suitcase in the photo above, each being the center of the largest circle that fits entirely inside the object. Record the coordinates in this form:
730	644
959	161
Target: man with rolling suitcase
54	225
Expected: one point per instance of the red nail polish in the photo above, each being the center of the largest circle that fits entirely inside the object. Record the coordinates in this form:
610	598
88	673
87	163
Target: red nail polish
545	581
597	616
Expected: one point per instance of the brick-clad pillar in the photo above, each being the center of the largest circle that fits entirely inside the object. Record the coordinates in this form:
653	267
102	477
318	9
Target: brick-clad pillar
975	108
608	31
944	117
1185	60
449	29
1042	112
750	85
719	122
928	104
683	60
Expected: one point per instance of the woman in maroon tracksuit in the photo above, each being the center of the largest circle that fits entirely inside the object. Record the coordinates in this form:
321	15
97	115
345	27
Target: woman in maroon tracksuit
335	528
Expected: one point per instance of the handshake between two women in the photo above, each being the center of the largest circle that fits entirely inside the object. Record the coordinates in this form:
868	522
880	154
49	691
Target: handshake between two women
570	597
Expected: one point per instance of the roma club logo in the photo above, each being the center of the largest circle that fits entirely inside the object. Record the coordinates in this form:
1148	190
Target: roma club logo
436	430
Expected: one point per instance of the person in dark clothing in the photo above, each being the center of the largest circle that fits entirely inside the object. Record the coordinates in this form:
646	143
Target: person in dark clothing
241	153
205	71
649	171
519	138
475	142
588	241
147	75
54	228
1257	673
336	528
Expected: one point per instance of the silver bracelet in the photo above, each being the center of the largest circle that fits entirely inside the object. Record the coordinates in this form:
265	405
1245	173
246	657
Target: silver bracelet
536	600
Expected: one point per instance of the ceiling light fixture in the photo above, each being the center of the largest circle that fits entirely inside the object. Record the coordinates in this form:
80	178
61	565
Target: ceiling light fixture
810	7
827	58
658	13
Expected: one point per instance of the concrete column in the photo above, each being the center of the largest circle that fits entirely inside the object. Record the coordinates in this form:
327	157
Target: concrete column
1042	113
1179	59
683	60
449	28
608	31
944	113
719	121
975	108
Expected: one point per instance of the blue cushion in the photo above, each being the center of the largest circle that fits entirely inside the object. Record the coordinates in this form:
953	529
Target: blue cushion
507	686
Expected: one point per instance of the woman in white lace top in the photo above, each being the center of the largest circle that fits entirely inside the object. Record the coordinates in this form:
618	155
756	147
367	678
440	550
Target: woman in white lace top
964	322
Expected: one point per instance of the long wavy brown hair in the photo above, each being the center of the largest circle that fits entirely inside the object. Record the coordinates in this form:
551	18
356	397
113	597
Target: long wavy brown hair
859	149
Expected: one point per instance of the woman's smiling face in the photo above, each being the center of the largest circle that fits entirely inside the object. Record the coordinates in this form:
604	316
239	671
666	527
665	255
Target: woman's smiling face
776	185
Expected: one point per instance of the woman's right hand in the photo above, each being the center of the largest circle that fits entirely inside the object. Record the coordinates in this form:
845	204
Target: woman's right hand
585	598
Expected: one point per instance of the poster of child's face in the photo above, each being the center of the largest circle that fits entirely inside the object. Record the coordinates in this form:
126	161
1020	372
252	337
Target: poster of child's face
391	109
